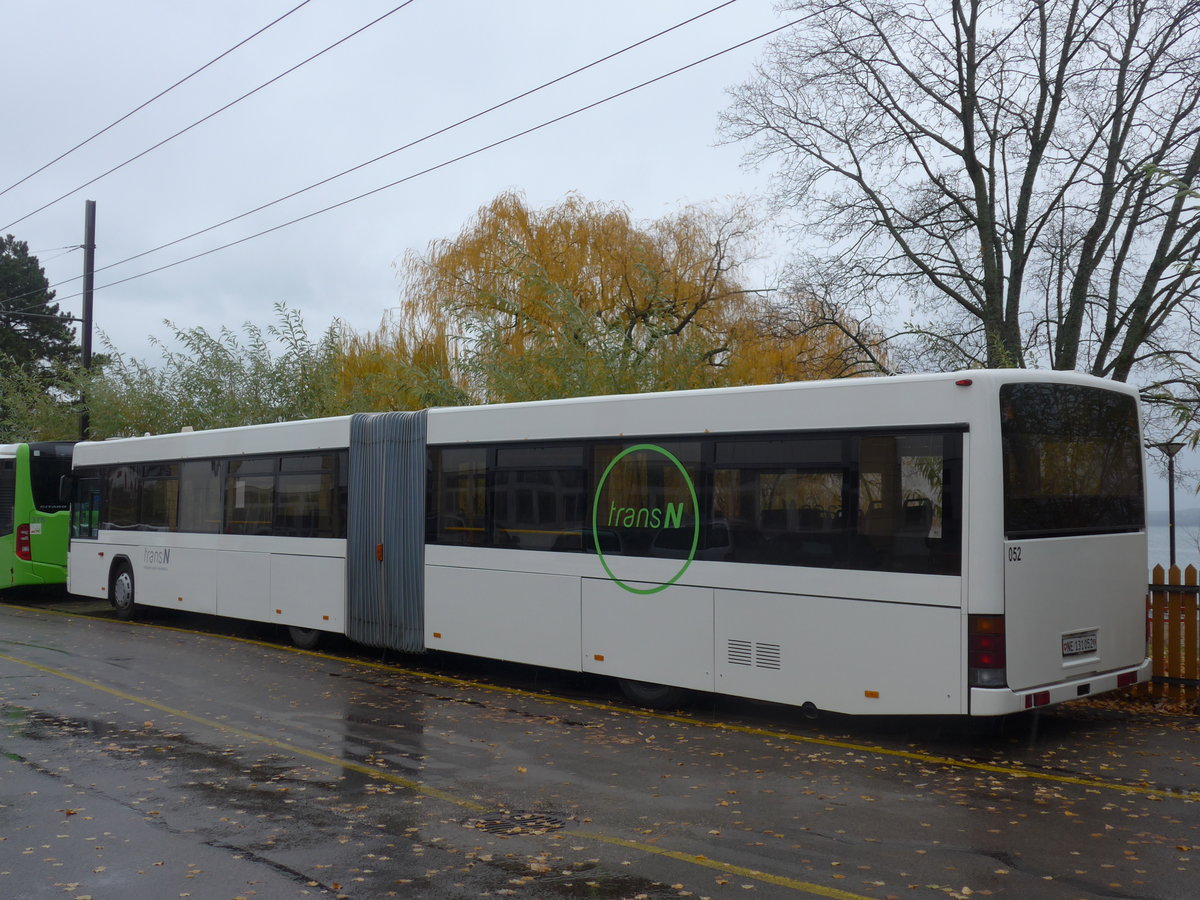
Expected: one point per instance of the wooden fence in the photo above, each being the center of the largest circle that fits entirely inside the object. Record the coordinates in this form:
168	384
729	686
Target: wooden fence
1174	630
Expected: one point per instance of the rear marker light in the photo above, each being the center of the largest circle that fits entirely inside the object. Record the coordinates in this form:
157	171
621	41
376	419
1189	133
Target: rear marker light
964	382
1041	698
1125	679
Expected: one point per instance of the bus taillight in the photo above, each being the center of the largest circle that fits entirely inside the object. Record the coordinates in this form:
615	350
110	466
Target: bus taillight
24	550
985	651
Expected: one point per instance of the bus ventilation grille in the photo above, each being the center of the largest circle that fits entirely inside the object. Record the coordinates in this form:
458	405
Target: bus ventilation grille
755	654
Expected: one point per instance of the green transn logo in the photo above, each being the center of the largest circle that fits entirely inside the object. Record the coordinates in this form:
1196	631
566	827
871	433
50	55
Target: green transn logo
668	516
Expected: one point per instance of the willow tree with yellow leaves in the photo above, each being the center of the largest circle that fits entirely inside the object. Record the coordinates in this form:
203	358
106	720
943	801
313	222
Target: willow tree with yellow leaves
579	299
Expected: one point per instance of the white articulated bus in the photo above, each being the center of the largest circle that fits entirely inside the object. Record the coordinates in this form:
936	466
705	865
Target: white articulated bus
967	543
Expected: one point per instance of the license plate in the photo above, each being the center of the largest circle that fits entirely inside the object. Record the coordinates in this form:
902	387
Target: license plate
1079	643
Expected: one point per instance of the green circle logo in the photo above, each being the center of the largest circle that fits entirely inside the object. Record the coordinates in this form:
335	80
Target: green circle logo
662	451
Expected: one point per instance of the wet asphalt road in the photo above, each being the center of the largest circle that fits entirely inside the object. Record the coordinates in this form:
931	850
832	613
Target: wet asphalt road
142	761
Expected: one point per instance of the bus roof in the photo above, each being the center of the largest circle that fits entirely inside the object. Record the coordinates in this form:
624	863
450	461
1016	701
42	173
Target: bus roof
901	400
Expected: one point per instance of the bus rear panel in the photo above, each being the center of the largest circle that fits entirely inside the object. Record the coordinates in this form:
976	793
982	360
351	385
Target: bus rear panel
34	520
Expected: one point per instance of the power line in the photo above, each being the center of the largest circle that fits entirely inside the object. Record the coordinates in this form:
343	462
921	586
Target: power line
412	143
407	146
161	93
55	249
211	115
29	315
63	252
450	162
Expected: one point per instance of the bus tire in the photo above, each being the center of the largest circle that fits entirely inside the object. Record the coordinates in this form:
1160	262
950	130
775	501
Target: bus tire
654	696
120	590
304	638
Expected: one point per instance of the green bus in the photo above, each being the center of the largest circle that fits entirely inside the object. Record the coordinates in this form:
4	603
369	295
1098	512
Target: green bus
34	521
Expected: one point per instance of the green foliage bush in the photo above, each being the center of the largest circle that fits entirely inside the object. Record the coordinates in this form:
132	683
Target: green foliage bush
202	379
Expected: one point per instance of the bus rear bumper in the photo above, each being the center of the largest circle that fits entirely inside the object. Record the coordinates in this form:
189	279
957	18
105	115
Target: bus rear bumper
1002	701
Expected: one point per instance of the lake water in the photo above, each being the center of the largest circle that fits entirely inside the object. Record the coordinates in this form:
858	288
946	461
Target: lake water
1158	539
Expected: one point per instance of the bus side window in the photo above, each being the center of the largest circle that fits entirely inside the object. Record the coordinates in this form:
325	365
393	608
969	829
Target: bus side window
908	514
250	495
456	499
306	496
200	488
122	489
160	497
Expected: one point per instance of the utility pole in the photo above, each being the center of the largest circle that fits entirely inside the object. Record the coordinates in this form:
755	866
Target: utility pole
89	282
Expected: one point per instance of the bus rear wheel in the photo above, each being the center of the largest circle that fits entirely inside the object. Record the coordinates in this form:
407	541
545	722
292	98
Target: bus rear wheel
654	696
120	591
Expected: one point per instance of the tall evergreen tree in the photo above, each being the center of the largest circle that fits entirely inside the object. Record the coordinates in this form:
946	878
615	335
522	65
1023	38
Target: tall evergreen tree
35	335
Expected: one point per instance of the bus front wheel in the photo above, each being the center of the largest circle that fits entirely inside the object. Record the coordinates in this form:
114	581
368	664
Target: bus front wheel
120	592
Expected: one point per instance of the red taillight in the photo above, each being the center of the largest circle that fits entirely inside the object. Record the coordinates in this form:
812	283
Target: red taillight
986	659
24	551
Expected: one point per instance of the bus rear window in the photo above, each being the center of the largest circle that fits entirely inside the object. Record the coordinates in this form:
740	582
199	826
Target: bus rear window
8	494
48	463
1072	461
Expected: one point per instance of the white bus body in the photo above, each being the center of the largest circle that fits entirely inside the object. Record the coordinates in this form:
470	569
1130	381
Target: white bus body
838	543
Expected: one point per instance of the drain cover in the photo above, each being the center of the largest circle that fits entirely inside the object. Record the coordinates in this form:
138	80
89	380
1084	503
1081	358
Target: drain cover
516	822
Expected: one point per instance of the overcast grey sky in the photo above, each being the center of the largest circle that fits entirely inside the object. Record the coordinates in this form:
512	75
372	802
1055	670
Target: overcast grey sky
72	68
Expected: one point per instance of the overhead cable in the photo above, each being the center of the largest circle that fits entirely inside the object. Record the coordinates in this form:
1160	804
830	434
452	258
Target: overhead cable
161	93
406	146
211	115
450	162
411	143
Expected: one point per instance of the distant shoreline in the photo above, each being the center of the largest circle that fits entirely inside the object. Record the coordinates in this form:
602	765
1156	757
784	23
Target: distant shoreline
1184	518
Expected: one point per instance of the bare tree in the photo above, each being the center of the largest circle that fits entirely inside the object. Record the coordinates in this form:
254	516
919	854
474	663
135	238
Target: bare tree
1021	172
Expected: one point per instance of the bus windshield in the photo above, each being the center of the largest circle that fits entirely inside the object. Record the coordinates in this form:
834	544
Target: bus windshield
1072	461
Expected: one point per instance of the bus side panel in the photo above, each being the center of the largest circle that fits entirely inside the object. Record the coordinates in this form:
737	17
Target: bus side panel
174	577
512	616
663	638
308	591
243	584
842	655
87	569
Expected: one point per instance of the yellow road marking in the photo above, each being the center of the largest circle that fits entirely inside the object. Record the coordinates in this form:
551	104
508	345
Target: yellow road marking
334	761
914	756
706	862
428	791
